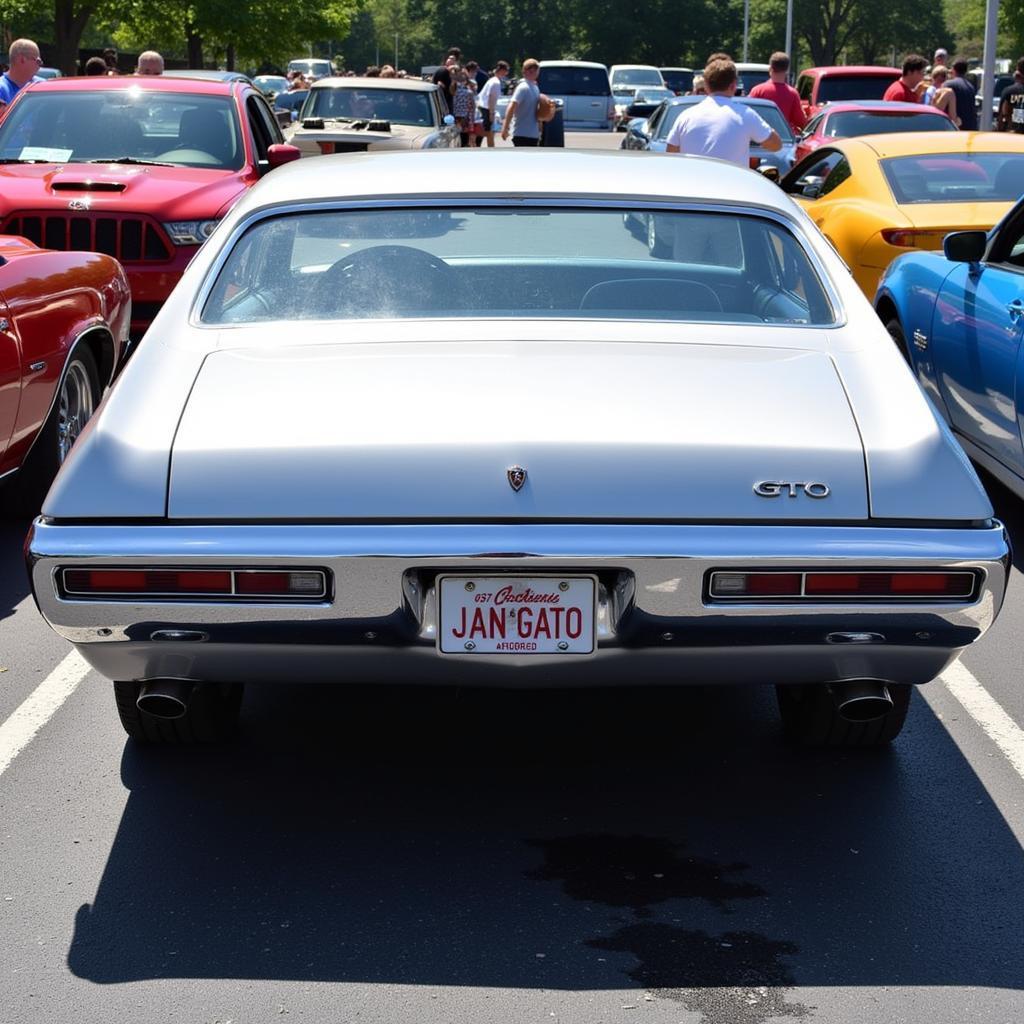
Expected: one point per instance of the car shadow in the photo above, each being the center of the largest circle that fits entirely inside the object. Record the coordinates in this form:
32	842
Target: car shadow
558	840
14	584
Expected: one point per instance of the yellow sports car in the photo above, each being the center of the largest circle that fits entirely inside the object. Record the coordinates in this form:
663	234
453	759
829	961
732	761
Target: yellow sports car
878	196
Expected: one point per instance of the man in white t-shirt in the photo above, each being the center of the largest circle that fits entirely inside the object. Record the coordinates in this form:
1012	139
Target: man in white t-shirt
487	101
718	126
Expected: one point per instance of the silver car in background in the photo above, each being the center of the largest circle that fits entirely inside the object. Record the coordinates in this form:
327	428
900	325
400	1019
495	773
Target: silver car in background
397	425
585	92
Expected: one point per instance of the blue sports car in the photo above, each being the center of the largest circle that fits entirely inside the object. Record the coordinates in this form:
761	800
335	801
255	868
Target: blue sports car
958	316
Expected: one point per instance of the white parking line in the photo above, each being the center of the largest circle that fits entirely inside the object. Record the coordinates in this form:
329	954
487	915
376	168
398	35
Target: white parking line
39	706
986	711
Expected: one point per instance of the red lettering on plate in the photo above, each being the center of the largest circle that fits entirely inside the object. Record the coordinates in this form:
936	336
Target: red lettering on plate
462	633
497	623
542	628
524	620
479	627
527	596
574	623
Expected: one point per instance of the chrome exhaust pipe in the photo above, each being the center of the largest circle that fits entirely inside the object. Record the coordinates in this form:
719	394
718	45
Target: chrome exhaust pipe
861	700
165	698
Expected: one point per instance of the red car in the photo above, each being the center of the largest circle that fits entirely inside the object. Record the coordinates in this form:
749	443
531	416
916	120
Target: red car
869	117
138	168
818	86
63	334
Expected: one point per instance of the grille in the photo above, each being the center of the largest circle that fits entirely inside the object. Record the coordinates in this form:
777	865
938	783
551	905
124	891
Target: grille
129	239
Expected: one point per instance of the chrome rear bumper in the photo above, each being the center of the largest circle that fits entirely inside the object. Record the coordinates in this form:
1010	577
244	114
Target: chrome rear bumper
655	620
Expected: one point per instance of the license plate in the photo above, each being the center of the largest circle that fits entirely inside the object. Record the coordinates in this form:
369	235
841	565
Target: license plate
516	614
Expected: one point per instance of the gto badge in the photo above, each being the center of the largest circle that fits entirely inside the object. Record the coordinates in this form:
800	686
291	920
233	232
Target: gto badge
78	204
773	488
516	477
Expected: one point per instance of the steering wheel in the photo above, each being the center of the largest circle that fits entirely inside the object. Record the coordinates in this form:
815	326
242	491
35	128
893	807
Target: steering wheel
385	277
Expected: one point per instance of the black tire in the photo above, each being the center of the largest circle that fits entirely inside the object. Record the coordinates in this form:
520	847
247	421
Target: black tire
655	245
51	445
212	715
895	329
810	718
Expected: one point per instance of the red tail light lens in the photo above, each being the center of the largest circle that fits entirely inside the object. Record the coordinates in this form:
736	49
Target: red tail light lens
221	583
816	586
906	238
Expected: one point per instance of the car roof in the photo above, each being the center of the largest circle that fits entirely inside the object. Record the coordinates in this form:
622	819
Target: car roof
840	70
689	101
340	82
743	66
929	143
633	67
150	83
207	73
560	174
572	64
897	105
675	69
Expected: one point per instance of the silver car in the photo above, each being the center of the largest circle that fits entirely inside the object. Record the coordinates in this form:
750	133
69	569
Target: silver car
393	426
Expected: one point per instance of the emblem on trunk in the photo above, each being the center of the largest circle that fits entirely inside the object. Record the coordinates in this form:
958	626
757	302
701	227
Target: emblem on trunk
773	488
78	204
516	477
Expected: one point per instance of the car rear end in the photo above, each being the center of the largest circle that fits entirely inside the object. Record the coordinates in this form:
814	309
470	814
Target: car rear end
585	92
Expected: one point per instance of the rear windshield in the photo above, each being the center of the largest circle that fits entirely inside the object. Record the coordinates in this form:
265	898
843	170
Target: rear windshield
126	125
678	81
850	123
955	177
637	76
318	68
768	112
834	88
749	79
399	106
500	261
574	81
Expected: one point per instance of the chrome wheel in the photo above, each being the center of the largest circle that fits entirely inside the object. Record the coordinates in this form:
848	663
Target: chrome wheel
75	407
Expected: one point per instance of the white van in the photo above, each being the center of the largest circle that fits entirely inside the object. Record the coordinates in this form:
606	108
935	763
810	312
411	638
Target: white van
585	92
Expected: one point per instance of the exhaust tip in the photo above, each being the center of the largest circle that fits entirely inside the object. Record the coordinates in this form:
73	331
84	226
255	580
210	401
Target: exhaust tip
167	699
862	700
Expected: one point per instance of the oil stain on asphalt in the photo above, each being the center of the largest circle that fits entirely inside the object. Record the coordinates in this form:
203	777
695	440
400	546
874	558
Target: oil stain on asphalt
737	977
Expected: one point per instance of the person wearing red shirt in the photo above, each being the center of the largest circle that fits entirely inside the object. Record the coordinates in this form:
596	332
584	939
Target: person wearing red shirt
908	88
783	95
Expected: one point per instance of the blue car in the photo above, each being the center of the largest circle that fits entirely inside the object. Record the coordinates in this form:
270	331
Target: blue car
958	316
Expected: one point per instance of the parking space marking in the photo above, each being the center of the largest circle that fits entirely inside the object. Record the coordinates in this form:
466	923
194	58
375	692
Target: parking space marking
988	713
39	707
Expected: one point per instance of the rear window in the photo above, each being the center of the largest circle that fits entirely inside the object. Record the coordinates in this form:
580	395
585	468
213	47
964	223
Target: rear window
834	88
678	81
748	79
850	123
570	81
637	76
955	177
399	106
500	261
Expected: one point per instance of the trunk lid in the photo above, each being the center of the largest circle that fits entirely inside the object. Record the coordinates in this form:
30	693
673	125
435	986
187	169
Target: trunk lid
429	430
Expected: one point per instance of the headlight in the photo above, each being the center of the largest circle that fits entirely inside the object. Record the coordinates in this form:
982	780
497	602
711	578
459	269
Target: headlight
189	232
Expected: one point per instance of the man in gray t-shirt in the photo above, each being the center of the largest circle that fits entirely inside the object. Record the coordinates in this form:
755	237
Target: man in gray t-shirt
522	109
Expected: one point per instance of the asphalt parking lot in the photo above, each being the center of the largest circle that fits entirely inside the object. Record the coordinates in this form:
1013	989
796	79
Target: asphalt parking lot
408	855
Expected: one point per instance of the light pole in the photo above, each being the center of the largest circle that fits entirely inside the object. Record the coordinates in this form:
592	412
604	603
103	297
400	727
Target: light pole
396	52
988	70
746	28
789	34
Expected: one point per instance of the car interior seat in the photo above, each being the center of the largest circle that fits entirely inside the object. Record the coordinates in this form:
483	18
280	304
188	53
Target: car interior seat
654	293
206	130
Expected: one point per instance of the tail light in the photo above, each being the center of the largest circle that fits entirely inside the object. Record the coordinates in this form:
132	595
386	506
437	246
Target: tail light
905	238
237	584
901	585
326	148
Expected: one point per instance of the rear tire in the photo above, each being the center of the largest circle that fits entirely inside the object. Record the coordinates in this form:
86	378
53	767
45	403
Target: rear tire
810	718
212	715
77	398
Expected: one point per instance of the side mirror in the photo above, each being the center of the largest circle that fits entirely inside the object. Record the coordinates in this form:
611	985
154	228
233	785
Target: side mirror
449	120
811	189
770	171
281	153
965	246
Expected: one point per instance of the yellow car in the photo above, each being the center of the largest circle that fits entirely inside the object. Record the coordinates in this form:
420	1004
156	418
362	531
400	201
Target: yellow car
878	196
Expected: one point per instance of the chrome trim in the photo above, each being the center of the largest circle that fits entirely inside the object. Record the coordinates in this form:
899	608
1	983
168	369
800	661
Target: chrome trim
622	203
653	579
37	366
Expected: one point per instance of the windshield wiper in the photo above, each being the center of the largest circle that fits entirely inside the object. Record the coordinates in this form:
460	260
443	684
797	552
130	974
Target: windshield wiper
128	160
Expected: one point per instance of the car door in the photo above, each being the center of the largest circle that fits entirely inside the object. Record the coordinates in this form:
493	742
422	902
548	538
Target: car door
263	128
10	382
976	345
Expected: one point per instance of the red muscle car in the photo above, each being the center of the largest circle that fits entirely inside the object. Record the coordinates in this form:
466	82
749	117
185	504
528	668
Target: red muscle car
138	168
63	334
868	117
818	86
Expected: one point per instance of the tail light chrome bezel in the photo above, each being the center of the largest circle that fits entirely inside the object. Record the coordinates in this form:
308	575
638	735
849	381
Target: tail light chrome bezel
828	585
237	584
